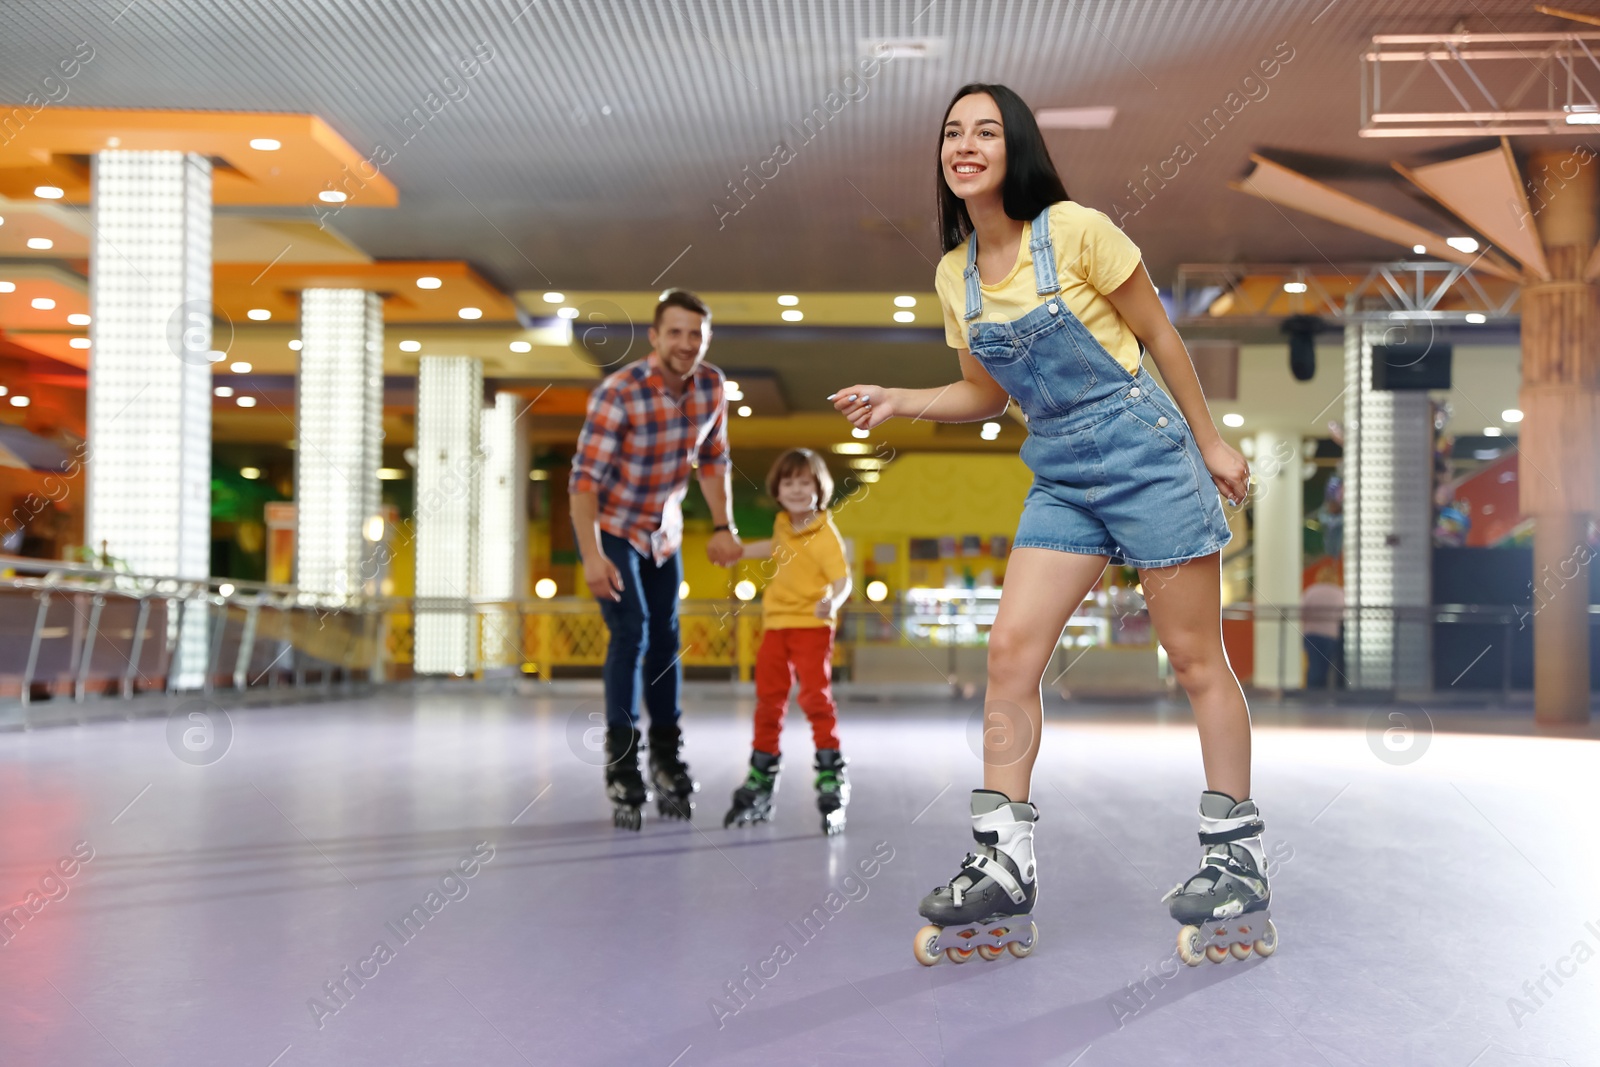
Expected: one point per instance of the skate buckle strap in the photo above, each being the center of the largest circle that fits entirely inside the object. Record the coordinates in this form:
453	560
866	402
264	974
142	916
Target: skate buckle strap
996	871
1253	828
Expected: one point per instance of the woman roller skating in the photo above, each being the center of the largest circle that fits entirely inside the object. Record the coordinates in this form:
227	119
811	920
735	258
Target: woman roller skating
1048	303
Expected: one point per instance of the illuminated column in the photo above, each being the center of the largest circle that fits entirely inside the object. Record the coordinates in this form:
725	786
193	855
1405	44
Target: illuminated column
503	526
149	403
449	424
1277	533
1388	507
339	410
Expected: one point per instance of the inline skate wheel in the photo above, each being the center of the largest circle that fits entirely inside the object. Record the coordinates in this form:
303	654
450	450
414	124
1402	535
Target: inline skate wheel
926	946
1268	944
1020	949
958	955
1240	950
990	952
1189	946
1216	953
627	818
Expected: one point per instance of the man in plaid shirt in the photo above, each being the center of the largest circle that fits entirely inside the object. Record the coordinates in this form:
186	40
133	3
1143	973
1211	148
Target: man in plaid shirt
648	426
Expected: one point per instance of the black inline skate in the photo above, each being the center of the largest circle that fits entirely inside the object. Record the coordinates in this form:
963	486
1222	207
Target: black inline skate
987	907
752	801
1223	905
669	774
833	789
624	784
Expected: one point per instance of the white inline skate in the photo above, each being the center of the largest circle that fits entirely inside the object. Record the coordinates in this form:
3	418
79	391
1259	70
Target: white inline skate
1223	905
987	907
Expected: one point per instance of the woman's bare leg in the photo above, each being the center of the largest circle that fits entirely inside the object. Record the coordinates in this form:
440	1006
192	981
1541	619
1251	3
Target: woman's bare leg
1042	590
1185	605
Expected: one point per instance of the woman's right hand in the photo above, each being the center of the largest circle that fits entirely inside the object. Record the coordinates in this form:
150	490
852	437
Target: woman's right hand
865	405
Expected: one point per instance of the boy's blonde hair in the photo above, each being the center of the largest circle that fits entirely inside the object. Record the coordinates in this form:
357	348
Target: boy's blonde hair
801	461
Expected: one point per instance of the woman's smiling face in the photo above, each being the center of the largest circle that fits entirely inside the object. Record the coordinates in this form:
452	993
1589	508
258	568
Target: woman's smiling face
973	153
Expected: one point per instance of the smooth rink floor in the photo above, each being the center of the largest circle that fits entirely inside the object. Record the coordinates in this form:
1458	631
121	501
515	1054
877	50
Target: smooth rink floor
1431	910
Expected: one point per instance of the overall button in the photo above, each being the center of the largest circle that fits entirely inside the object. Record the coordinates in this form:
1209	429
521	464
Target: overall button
1134	391
1053	308
1162	421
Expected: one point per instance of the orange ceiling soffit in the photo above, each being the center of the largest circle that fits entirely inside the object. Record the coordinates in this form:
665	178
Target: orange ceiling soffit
310	158
275	287
1485	191
1287	188
1545	9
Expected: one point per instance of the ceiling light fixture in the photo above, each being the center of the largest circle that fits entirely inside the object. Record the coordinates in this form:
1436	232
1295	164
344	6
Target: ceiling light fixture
554	298
258	314
471	313
41	244
905	316
240	367
1419	249
331	196
428	283
744	411
247	401
1468	245
411	346
223	391
792	315
249	474
788	300
1493	431
905	301
1512	414
521	346
1294	287
79	342
78	318
567	312
48	192
265	144
42	303
19	401
1477	318
1232	419
8	287
294	346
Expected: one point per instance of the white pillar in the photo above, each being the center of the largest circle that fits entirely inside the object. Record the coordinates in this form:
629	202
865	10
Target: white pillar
449	425
1276	535
1388	540
339	414
503	526
149	403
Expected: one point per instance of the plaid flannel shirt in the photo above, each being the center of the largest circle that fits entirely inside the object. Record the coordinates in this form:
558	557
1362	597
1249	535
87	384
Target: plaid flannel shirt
638	446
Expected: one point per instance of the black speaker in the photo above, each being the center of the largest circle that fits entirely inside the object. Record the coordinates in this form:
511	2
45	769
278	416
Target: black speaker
1302	332
1411	366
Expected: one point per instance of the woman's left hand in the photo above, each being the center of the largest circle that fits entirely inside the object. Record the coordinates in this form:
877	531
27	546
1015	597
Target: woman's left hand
1229	470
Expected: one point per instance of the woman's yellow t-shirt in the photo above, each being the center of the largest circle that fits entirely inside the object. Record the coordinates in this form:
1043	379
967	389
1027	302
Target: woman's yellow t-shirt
807	563
1093	257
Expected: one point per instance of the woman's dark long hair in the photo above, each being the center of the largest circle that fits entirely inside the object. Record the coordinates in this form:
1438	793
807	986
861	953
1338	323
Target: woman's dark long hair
1031	183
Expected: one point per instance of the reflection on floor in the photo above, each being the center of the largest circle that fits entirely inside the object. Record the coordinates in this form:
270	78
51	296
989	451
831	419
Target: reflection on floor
432	877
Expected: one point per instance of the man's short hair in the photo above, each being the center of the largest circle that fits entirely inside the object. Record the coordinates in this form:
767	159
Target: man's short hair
798	461
679	298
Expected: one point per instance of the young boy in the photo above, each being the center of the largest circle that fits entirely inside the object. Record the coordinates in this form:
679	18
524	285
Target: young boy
797	612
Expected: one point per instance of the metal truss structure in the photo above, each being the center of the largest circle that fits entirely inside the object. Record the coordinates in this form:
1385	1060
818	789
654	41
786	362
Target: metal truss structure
1264	293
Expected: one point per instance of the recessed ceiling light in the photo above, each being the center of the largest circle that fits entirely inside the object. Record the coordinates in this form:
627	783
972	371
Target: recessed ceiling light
1493	431
1419	249
428	283
4	390
1294	287
258	314
792	315
265	144
567	312
905	316
1477	318
240	367
249	474
521	346
222	391
788	300
744	411
390	474
411	346
1512	414
1231	419
78	318
554	298
40	243
48	192
471	313
1075	118
905	301
8	287
42	303
19	401
1462	244
246	401
294	346
331	196
79	342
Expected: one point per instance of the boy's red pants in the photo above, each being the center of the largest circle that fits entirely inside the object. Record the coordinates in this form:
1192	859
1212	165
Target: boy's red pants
806	652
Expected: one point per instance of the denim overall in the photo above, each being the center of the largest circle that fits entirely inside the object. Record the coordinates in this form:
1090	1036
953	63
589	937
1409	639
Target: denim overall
1116	469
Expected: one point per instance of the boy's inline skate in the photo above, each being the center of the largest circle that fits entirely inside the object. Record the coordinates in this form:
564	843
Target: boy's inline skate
833	789
624	784
1223	905
674	785
987	907
752	801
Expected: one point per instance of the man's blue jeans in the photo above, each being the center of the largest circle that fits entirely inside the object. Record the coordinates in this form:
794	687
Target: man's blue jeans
644	637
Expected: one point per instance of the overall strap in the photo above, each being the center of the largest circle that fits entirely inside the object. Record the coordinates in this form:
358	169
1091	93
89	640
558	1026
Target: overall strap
1044	256
970	275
